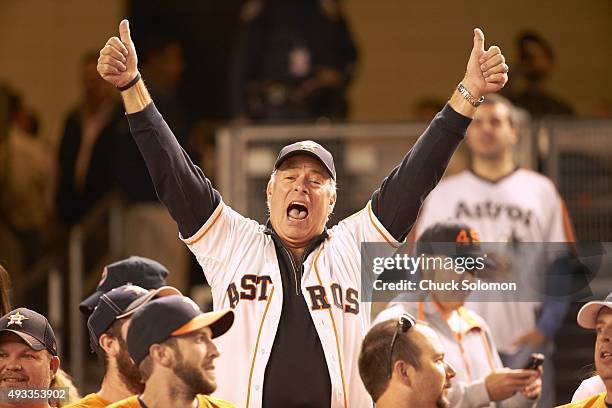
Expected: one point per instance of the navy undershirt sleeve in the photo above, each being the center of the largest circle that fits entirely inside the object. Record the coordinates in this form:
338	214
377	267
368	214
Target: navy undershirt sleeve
398	200
180	185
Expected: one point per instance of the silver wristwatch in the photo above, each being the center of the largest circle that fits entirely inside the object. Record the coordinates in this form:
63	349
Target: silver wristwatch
468	96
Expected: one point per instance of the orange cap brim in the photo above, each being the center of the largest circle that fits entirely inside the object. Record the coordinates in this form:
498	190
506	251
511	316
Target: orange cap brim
219	323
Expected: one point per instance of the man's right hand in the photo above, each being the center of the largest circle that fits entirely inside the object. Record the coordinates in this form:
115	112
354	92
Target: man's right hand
504	383
118	62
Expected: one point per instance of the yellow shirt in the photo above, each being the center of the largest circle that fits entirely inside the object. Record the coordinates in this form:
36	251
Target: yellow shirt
596	401
89	401
204	401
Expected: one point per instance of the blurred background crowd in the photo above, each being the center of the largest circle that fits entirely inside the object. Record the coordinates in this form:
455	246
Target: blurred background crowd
75	193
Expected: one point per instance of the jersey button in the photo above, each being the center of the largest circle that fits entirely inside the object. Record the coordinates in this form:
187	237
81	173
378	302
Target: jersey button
262	350
257	388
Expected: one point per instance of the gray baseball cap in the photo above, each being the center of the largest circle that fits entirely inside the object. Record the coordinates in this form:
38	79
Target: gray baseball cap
309	148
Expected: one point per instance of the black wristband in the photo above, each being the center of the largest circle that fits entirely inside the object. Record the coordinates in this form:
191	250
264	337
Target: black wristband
130	84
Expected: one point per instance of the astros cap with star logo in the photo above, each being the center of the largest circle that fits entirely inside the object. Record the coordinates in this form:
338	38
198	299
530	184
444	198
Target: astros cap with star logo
33	328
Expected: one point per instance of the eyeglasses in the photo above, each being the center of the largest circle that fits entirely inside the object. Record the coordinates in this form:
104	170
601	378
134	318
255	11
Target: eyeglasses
404	322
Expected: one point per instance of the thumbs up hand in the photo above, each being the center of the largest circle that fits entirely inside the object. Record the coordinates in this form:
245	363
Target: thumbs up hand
118	62
487	71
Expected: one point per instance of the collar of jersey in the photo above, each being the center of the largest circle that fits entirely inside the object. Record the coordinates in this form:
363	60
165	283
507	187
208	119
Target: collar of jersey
312	245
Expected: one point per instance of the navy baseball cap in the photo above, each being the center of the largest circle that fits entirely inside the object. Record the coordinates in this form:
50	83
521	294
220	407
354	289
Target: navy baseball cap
33	328
171	316
143	272
464	238
119	303
587	315
310	148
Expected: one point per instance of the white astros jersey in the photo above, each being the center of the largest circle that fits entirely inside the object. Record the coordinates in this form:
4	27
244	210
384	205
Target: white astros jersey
524	206
240	263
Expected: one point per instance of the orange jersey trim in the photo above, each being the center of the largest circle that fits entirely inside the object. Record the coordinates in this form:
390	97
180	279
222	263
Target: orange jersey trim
263	319
199	236
331	316
382	234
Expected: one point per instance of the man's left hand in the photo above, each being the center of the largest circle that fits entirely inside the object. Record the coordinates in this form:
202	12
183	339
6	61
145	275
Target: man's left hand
487	71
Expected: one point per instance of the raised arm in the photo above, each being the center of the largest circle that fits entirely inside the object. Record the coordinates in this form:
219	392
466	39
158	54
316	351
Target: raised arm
180	185
398	201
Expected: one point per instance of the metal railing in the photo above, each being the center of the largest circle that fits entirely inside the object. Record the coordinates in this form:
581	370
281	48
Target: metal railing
363	153
108	215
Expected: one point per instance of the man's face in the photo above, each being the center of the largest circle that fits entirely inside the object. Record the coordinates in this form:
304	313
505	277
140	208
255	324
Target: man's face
452	299
22	367
128	372
300	200
603	344
195	361
491	135
536	63
433	378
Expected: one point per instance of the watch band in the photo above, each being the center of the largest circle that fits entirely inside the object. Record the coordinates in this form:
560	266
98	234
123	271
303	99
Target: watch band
468	96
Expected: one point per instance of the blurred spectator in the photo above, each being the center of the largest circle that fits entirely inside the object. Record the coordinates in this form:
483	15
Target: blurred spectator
402	364
426	108
136	270
597	316
295	60
536	62
150	230
87	148
108	326
505	203
28	351
163	64
26	174
481	380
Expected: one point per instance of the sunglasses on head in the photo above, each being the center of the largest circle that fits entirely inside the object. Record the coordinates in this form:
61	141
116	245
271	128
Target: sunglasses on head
404	323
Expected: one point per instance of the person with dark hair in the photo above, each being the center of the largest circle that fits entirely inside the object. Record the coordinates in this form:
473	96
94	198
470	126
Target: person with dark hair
108	326
170	341
536	62
87	146
481	379
135	270
281	277
145	217
508	204
28	355
5	288
402	364
295	61
26	177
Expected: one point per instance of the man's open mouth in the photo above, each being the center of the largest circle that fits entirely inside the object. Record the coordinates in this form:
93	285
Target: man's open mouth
297	211
605	355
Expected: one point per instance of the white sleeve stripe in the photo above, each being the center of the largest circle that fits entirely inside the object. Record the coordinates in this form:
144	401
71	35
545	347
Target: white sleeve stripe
214	217
381	229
